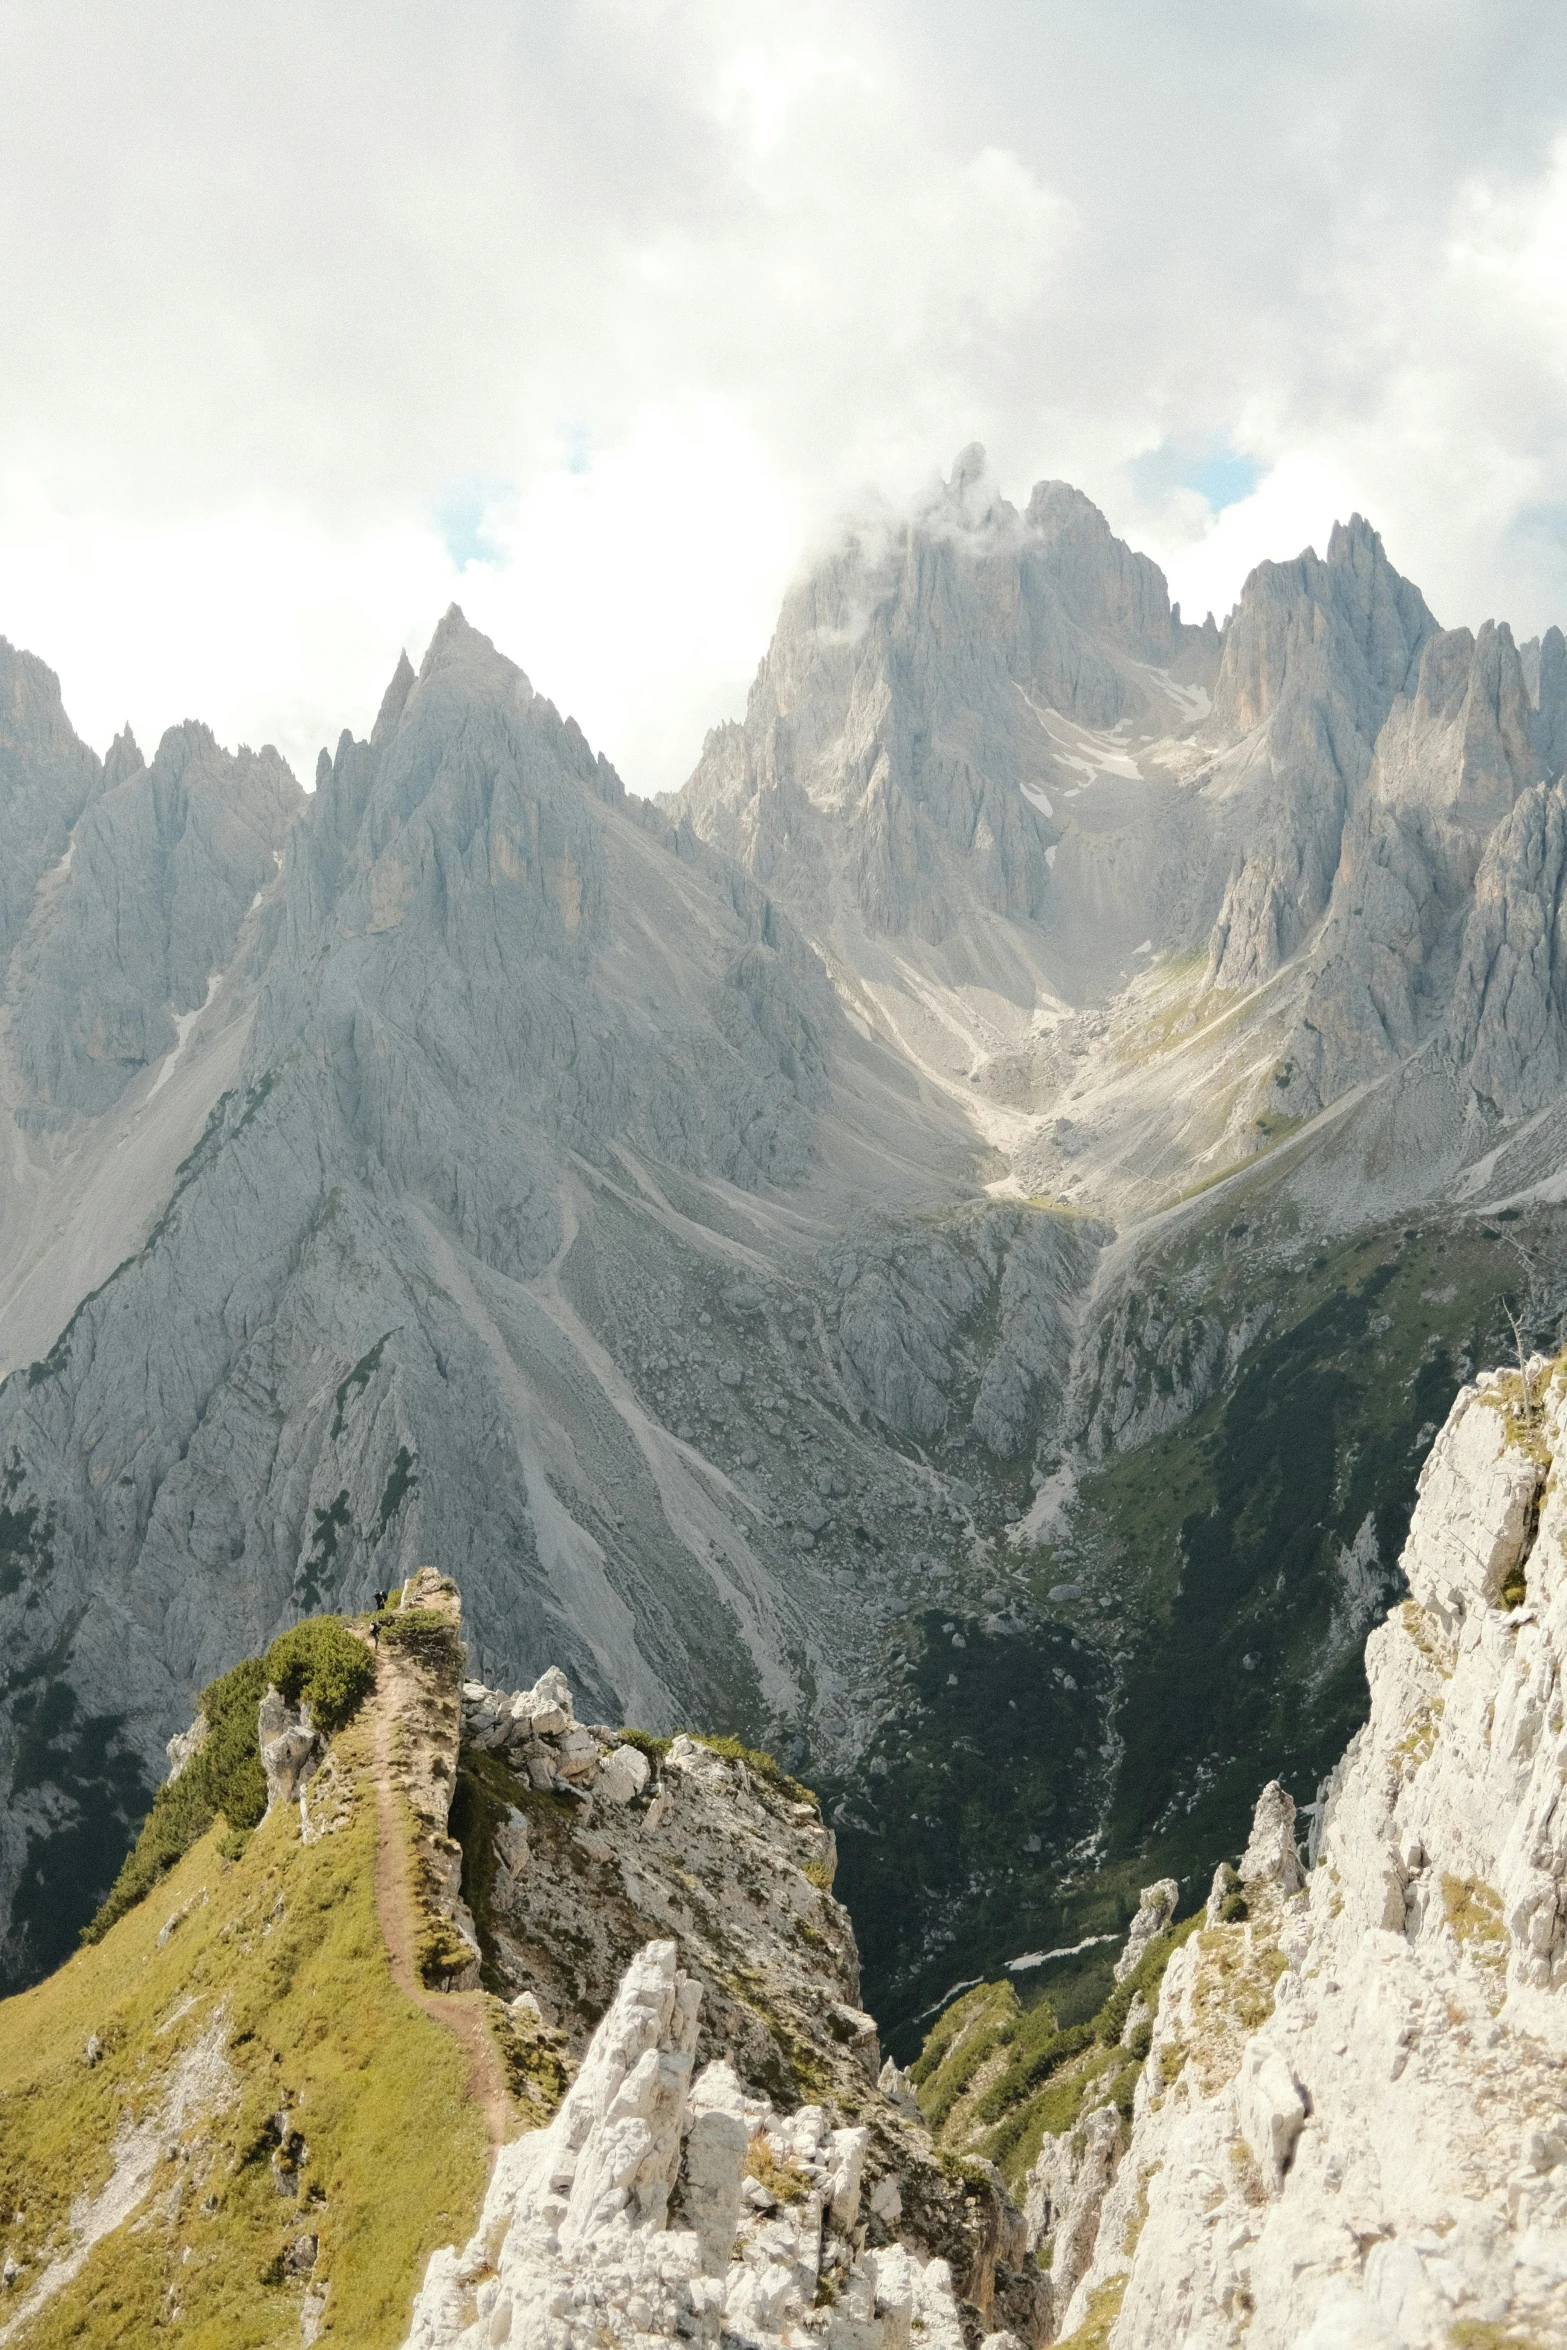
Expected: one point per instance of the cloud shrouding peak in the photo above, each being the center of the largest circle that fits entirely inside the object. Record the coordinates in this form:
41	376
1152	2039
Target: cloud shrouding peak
596	315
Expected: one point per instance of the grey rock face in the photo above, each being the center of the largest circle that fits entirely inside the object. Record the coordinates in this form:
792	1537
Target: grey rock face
47	777
901	1301
291	1749
1505	1027
1312	660
164	867
1452	757
460	1266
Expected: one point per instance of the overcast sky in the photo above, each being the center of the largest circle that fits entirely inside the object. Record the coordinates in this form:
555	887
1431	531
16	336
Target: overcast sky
595	316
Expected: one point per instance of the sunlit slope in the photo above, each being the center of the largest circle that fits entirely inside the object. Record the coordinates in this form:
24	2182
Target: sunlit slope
259	2081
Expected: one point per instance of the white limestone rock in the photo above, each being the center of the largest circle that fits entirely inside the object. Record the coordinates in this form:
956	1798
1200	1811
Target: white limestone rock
1155	1909
1349	2129
291	1748
1270	1857
626	2216
184	1745
623	1774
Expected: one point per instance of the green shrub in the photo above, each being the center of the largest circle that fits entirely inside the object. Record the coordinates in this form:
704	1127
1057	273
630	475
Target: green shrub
426	1632
983	2002
1023	2076
225	1775
319	1663
646	1743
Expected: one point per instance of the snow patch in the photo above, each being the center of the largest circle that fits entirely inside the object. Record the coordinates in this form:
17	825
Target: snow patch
184	1022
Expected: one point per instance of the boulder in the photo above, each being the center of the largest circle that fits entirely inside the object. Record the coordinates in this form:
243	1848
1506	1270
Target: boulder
623	1774
291	1748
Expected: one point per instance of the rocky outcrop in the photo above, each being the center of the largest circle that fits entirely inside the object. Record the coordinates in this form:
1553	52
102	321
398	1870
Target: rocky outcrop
1155	1908
291	1750
681	1892
662	2206
419	1667
1348	2127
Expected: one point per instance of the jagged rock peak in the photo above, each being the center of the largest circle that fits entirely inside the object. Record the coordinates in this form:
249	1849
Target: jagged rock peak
645	2202
393	699
123	759
460	650
47	777
1352	618
1508	1018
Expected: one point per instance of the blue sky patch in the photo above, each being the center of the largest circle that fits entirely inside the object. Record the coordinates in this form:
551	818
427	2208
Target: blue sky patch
462	512
1220	474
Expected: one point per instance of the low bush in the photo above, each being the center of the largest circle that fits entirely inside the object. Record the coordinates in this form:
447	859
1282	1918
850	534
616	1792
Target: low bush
646	1742
319	1663
426	1632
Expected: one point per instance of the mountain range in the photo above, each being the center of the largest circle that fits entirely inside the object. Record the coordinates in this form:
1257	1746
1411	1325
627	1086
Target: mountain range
941	1246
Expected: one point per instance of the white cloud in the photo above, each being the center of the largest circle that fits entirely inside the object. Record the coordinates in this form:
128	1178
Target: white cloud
592	313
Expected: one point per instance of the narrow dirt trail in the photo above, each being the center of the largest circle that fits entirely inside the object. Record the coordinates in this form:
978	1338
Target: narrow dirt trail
459	2012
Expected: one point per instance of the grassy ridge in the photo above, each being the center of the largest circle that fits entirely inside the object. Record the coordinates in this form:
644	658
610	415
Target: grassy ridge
317	1663
281	1951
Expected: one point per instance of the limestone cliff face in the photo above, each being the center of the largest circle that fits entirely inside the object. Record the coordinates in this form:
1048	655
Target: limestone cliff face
163	869
1349	2129
1452	759
1313	657
47	777
1505	1026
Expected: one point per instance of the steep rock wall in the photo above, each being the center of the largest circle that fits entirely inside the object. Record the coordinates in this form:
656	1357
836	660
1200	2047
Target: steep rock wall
1350	2128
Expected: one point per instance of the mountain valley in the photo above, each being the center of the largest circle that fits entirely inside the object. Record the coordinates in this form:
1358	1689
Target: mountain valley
940	1249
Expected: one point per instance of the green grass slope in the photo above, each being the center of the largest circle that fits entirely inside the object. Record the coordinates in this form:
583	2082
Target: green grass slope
259	2080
